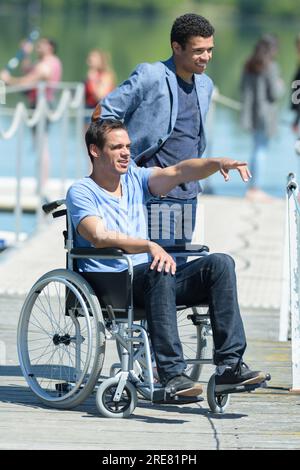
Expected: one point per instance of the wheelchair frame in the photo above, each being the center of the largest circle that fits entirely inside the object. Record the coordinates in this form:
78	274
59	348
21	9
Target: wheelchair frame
128	356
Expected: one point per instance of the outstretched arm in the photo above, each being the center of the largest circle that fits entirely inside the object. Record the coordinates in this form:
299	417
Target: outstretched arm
39	72
162	180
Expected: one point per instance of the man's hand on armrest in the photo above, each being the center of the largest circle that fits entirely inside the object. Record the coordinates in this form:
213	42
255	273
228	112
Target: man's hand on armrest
92	229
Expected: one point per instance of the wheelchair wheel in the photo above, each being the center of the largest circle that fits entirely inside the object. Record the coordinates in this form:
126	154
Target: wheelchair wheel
111	408
217	402
196	339
61	339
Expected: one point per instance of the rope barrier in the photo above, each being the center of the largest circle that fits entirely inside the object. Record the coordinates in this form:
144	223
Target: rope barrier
16	121
296	202
75	102
63	104
24	115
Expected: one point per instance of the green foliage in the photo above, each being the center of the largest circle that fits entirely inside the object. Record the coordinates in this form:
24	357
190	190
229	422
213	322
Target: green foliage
272	7
257	7
150	6
218	2
244	7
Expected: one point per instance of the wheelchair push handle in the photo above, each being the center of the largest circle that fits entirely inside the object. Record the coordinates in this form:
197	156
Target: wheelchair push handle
51	206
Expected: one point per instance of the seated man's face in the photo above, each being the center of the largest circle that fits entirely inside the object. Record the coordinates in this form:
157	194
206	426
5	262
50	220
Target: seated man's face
115	154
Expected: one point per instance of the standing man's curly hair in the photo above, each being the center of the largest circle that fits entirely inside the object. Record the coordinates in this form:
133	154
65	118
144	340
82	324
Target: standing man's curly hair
189	25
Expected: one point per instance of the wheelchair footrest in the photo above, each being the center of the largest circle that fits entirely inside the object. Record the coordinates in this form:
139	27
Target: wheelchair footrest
161	397
242	389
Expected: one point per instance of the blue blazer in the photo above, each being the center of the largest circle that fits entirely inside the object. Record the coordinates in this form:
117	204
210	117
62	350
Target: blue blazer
147	103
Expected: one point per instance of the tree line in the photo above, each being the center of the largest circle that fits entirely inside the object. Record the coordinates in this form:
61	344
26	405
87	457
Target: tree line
256	7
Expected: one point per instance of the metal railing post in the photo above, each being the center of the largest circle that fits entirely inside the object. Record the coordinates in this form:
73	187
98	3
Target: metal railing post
18	207
64	150
284	318
294	259
40	145
79	131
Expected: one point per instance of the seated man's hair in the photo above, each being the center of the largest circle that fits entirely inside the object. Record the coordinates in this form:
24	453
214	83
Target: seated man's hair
189	25
97	131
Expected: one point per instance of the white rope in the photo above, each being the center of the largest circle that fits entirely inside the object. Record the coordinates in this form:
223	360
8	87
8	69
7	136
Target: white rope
33	86
63	104
78	97
18	117
22	114
37	114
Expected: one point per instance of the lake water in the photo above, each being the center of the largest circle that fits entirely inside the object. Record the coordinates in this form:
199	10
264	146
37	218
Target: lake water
131	40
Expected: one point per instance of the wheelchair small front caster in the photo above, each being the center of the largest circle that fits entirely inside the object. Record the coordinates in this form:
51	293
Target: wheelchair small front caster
111	406
217	402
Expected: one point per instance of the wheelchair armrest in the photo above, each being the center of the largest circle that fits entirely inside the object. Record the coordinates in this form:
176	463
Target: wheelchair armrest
187	248
117	252
90	252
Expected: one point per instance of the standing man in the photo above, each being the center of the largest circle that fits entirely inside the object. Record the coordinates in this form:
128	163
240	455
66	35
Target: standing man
164	106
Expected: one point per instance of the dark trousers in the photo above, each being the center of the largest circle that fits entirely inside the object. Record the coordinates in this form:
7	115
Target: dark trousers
208	279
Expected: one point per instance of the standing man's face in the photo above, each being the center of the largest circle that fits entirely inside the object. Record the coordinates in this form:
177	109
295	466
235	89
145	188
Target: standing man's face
194	57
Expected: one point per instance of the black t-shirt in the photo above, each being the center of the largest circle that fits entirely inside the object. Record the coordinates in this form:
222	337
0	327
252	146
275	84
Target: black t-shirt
184	140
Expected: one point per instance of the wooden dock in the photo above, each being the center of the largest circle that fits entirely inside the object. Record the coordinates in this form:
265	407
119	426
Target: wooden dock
265	419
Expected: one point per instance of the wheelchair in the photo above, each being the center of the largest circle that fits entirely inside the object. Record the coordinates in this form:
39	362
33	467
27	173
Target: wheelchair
68	316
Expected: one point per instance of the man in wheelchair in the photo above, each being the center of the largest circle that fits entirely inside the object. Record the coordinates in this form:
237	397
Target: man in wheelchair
108	209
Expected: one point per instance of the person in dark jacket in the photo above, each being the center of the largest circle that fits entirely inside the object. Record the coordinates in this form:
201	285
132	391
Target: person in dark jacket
295	104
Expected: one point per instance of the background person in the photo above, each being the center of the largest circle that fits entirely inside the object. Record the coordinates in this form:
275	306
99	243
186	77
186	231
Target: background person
296	106
100	79
261	88
48	69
